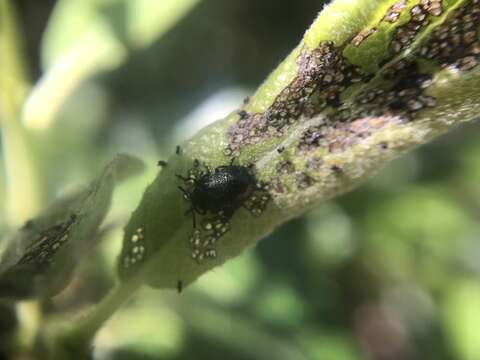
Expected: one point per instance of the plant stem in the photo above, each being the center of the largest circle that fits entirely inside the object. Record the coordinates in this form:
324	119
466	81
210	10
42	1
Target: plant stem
23	186
75	342
24	198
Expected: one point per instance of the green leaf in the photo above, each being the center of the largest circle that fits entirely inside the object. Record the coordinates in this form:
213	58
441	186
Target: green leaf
22	181
100	38
461	313
369	81
13	83
43	254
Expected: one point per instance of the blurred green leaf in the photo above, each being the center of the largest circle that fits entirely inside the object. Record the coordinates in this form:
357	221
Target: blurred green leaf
13	83
23	189
147	20
415	234
43	254
100	38
234	283
330	239
329	345
280	304
147	331
461	313
237	332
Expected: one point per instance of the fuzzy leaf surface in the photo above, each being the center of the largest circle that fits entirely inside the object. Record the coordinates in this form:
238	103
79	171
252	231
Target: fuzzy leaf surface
369	81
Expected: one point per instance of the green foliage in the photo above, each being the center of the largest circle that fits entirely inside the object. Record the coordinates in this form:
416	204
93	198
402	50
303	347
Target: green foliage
42	256
21	170
337	109
100	39
461	315
369	81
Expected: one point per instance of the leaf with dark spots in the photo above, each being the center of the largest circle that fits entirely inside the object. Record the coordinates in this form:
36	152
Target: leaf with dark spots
369	81
42	256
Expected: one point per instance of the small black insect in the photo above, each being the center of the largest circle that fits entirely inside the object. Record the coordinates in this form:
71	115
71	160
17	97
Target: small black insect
243	114
336	169
219	192
162	163
179	286
178	150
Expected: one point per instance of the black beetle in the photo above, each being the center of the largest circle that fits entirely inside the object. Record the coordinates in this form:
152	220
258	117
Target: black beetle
219	192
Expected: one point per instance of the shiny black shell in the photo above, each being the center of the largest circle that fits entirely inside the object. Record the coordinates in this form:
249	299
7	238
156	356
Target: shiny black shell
224	189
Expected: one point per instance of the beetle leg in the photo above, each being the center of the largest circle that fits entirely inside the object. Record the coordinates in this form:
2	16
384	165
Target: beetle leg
182	177
226	214
194	220
201	211
186	194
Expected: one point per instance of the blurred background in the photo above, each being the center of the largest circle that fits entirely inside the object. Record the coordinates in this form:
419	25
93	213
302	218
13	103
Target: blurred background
390	271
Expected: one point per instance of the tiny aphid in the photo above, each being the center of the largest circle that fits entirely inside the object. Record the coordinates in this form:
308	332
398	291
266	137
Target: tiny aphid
162	163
